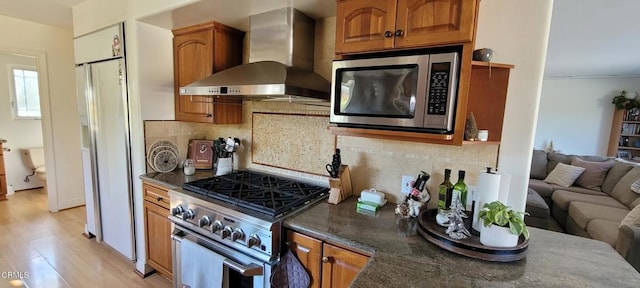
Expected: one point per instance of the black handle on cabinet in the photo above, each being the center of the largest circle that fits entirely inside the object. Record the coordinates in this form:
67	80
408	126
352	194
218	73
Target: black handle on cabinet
209	115
388	34
399	33
159	199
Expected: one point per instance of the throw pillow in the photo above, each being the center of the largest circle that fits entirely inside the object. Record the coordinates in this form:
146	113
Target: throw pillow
538	165
632	218
594	173
555	158
564	175
635	186
622	192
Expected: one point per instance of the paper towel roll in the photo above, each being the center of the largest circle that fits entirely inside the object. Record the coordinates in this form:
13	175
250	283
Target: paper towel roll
488	191
505	185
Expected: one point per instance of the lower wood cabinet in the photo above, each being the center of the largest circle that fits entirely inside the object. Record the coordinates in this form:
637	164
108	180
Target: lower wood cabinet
157	229
328	265
3	178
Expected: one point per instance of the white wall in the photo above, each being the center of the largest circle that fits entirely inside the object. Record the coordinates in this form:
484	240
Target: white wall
576	113
62	131
19	133
518	32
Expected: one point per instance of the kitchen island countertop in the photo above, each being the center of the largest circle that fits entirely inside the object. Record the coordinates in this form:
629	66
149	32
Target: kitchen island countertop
402	258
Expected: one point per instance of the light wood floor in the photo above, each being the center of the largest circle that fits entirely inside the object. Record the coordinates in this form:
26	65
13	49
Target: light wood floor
51	249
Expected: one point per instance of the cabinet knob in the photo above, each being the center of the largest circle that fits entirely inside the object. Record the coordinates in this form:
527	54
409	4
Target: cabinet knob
388	34
209	115
159	199
399	33
327	259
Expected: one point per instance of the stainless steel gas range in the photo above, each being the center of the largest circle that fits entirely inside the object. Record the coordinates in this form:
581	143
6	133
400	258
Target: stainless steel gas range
237	218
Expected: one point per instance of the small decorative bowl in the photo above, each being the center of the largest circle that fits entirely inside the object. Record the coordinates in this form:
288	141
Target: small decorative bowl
484	54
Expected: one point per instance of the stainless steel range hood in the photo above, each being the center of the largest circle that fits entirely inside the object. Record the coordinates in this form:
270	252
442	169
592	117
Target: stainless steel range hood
281	63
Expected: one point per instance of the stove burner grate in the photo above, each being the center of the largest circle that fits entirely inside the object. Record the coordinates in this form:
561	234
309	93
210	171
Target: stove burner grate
258	192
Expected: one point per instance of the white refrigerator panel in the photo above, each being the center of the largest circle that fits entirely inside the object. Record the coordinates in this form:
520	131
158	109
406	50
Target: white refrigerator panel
108	98
87	170
103	44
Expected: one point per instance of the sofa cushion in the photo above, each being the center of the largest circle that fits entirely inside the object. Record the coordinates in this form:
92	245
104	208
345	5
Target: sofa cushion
578	190
536	207
635	203
538	165
617	171
555	158
564	175
604	230
593	158
622	191
632	218
594	173
563	198
582	213
543	188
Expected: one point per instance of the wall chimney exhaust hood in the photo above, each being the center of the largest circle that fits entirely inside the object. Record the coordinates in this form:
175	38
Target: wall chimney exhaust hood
280	63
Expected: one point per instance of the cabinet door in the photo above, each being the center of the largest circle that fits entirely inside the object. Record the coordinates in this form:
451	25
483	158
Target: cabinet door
434	22
309	252
158	238
361	25
3	179
340	266
192	61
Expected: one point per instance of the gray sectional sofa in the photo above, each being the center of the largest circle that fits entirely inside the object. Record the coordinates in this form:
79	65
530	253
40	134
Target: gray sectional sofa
594	206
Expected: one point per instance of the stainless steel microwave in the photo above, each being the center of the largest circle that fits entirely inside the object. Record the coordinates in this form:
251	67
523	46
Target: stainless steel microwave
415	93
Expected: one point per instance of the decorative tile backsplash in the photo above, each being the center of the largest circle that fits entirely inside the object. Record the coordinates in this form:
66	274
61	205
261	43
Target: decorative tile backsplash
292	141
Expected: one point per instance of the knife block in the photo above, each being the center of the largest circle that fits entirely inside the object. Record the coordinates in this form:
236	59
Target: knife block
341	186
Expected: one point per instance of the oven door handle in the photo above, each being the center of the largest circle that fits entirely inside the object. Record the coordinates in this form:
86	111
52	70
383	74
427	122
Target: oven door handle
245	270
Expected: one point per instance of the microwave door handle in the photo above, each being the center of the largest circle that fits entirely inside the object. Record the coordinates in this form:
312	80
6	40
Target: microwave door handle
245	270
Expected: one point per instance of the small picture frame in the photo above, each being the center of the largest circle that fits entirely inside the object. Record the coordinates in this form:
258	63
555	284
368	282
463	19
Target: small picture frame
201	151
624	154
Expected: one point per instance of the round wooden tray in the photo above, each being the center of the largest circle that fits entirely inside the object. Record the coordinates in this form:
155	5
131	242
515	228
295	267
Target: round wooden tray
470	246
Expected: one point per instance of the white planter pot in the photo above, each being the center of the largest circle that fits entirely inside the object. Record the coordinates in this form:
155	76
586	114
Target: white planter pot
497	236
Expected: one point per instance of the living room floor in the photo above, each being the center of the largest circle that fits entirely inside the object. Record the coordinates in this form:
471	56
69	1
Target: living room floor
50	247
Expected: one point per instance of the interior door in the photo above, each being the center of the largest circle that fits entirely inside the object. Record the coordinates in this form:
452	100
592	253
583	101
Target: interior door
112	154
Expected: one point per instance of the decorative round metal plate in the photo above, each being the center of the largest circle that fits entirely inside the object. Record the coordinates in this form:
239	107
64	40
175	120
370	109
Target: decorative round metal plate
165	161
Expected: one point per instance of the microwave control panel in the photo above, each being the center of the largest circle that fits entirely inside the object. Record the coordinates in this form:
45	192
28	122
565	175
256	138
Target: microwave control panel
438	97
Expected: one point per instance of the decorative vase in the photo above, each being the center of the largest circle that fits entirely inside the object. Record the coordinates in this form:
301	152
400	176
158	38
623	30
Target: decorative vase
497	236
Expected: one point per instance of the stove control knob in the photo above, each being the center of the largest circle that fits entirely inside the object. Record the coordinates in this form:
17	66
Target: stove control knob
189	214
177	211
204	221
237	234
254	240
226	232
216	226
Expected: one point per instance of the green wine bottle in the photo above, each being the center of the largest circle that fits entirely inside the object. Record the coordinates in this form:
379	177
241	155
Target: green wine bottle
444	192
460	189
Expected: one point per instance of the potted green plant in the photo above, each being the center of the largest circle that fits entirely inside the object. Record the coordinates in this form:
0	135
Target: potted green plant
502	226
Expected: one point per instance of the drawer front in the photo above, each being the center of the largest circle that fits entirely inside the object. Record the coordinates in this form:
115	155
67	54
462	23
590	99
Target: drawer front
157	195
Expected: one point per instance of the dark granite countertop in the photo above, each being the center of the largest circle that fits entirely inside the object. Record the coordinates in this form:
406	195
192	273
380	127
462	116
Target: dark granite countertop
174	180
402	258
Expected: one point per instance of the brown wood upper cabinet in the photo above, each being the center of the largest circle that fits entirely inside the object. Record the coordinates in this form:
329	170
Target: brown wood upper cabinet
378	25
199	51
